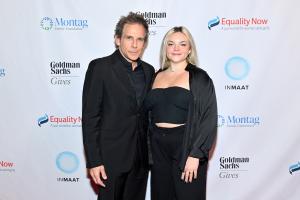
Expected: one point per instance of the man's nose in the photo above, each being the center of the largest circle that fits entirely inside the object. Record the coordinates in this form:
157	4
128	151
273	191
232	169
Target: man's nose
134	43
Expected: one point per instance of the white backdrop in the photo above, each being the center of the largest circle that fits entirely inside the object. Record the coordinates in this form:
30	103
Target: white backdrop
250	49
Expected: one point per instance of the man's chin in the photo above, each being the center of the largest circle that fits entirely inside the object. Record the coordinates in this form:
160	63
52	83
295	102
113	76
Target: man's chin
133	59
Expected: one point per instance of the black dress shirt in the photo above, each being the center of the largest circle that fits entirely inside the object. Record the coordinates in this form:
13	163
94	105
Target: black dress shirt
136	77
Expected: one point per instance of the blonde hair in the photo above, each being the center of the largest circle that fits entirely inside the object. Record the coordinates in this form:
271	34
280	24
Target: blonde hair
192	57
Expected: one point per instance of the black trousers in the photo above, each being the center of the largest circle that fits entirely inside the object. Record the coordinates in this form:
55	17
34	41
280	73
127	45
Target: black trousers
166	183
129	185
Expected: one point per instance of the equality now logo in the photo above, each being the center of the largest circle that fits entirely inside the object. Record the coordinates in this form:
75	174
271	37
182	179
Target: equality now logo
6	166
240	23
59	121
295	167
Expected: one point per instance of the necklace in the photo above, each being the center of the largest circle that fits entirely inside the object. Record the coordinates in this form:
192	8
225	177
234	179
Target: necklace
177	71
171	69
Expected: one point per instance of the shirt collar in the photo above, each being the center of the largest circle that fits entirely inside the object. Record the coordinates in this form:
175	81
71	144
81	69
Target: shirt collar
127	64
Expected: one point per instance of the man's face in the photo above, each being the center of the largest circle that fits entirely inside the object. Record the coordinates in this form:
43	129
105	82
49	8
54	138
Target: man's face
132	42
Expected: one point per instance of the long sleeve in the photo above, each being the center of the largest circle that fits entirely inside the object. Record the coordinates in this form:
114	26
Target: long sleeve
206	125
91	115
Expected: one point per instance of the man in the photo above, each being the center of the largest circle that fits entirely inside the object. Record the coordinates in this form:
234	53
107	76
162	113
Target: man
113	121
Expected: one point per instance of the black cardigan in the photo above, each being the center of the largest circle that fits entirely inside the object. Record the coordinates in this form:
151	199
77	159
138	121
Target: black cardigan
201	125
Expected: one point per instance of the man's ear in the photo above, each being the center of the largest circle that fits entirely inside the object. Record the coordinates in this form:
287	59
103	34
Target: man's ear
117	41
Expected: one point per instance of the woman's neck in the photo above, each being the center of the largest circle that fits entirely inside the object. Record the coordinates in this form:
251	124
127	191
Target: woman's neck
178	67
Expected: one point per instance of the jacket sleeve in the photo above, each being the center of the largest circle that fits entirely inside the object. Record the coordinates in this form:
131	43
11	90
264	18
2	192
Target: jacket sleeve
91	115
206	124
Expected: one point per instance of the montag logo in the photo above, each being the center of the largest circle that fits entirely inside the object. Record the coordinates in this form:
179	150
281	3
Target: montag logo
46	23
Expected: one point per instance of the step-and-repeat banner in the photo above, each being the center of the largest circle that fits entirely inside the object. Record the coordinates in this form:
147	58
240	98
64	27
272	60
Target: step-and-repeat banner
250	49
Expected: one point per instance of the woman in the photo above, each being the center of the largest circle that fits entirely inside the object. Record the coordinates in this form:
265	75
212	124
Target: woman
183	110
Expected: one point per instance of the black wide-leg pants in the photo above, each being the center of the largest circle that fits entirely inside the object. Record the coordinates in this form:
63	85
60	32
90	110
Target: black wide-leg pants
166	183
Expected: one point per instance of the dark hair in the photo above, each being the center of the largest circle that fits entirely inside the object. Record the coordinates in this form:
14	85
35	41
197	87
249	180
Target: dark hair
177	29
131	18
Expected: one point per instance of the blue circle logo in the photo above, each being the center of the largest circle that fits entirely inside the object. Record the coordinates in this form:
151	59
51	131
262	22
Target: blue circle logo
67	162
237	68
46	23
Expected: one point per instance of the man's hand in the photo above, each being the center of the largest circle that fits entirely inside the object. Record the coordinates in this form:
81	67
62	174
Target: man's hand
190	169
98	175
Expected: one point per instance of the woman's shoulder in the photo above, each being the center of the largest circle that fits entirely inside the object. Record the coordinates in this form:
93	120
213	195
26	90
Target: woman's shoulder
198	73
160	72
201	83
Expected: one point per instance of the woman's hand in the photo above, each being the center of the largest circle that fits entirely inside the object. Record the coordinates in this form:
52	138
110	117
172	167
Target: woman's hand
190	169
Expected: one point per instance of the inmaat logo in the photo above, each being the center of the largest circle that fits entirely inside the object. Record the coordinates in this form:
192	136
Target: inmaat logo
42	120
237	68
46	23
67	162
213	22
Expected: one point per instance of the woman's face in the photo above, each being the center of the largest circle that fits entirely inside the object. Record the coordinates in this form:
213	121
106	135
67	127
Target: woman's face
178	48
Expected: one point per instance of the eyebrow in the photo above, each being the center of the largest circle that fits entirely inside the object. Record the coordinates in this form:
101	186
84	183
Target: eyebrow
184	41
128	35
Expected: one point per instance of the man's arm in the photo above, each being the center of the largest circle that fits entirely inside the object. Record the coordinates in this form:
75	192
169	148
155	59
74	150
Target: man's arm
91	116
91	110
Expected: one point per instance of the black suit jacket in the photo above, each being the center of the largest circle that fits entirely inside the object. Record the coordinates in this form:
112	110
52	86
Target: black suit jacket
114	126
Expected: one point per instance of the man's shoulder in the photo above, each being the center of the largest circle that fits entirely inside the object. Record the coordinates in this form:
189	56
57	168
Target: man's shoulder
101	63
101	60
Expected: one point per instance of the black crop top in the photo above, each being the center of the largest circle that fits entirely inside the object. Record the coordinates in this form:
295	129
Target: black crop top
168	105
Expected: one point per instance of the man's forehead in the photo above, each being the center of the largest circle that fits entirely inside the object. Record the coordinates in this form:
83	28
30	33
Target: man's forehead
133	28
